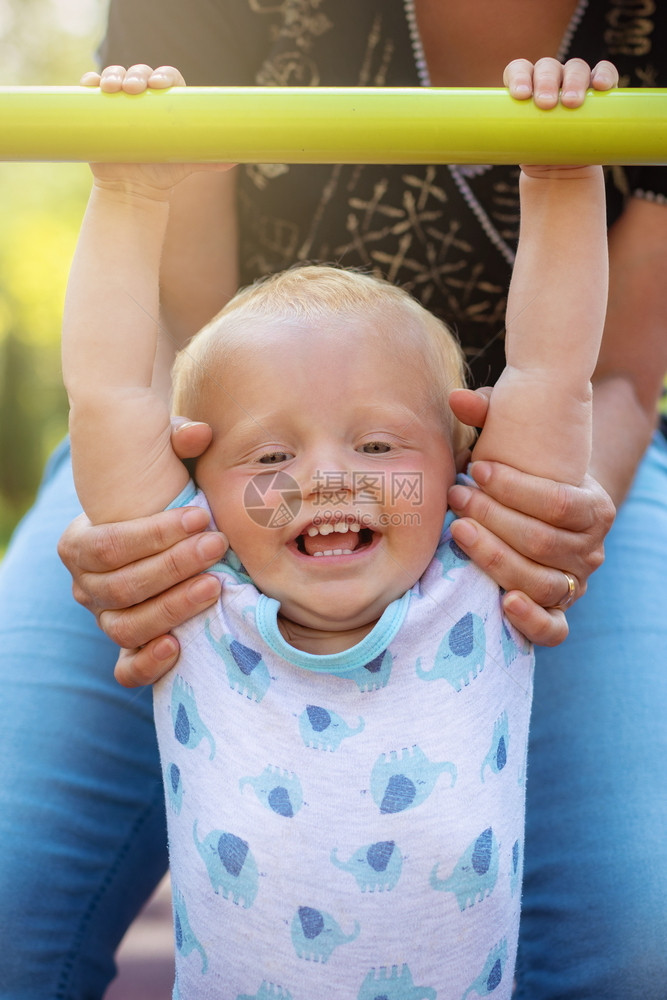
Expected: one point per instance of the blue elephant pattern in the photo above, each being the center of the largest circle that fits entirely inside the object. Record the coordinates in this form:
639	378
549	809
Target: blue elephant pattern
246	671
374	674
496	758
230	865
375	866
404	780
189	729
461	654
267	991
279	790
315	935
492	974
451	557
185	938
475	874
325	730
514	644
173	785
393	984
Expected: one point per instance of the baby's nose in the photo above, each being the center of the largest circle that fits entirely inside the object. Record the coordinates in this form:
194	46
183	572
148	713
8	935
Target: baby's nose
331	483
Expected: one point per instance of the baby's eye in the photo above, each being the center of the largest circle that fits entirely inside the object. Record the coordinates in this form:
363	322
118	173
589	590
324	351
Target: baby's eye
274	457
375	447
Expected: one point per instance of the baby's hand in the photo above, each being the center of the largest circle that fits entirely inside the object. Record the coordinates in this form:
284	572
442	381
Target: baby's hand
154	180
134	80
548	80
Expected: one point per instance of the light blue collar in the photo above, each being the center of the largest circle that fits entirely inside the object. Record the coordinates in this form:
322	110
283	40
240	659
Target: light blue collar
381	635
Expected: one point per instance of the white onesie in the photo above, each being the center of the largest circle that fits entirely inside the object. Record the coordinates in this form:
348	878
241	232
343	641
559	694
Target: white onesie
348	826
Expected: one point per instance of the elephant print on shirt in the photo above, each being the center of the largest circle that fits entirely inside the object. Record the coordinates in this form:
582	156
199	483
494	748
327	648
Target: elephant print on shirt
475	874
393	984
496	758
173	786
277	789
492	974
513	644
189	729
451	557
230	865
185	939
374	674
376	866
267	991
325	730
460	655
405	780
247	672
315	934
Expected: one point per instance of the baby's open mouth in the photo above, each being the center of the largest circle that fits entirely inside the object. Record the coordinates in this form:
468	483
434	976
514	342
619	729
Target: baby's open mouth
334	539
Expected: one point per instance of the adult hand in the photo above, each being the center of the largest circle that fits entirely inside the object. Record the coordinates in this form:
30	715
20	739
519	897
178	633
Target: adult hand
141	578
527	533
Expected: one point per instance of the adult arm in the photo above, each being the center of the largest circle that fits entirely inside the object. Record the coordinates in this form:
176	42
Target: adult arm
518	527
633	358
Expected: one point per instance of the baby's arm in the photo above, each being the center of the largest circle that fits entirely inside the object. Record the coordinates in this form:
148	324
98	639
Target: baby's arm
540	413
119	422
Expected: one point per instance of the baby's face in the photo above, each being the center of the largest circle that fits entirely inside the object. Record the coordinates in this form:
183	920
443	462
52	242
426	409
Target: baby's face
328	421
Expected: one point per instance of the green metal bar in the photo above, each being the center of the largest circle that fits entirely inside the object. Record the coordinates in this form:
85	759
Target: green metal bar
329	125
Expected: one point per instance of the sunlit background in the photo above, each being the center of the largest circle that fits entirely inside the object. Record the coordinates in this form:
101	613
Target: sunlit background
46	42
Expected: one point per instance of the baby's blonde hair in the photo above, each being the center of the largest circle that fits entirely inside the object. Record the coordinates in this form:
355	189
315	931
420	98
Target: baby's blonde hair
316	292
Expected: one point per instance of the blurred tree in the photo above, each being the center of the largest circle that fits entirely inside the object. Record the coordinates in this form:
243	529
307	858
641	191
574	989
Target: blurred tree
46	42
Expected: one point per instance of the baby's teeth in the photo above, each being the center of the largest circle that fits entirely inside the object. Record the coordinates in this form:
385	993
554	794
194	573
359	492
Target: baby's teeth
326	529
333	552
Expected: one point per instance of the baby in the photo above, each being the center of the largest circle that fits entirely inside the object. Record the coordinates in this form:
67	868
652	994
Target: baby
344	738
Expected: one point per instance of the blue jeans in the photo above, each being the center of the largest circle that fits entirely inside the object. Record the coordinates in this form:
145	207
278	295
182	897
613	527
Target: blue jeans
82	823
594	918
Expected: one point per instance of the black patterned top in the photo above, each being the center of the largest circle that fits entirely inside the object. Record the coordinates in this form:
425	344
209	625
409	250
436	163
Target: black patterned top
446	233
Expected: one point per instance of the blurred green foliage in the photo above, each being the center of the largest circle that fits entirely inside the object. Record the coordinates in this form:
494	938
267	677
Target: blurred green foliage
46	42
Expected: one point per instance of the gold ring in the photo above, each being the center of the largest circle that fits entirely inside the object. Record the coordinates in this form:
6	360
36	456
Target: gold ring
571	593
